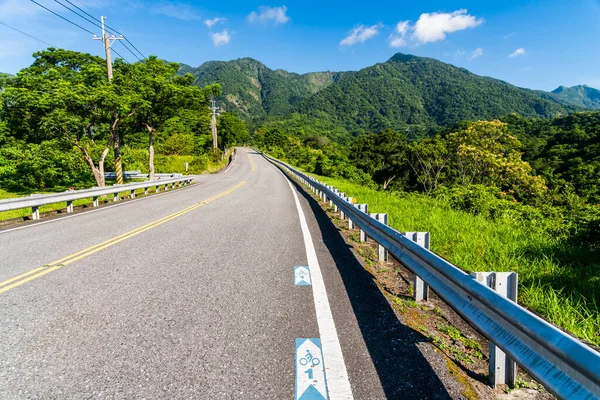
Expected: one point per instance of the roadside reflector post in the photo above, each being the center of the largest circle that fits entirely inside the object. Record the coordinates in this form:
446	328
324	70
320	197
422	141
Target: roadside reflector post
364	208
95	202
69	206
35	212
350	223
502	369
421	288
382	252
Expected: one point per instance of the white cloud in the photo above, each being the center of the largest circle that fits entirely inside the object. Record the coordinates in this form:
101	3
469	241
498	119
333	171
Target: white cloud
265	14
220	38
399	37
478	52
361	34
212	22
434	27
177	10
518	52
509	35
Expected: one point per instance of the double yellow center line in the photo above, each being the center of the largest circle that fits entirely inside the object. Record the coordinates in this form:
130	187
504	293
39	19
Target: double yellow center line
53	266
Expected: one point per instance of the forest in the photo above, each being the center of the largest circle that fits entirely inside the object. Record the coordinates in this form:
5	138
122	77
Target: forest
63	124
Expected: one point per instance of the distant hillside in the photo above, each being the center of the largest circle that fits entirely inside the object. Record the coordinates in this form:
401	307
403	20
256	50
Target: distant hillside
251	89
579	96
409	90
406	92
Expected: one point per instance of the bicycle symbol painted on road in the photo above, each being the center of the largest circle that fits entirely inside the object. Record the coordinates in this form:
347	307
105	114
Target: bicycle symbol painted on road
308	358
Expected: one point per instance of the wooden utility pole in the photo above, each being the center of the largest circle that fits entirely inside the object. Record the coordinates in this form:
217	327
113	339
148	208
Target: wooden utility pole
108	42
213	125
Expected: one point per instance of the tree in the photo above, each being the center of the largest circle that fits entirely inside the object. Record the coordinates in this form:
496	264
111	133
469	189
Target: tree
63	95
232	130
487	153
382	155
162	94
428	158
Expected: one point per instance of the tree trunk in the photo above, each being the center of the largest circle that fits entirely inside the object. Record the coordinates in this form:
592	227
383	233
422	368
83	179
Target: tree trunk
150	152
97	171
117	151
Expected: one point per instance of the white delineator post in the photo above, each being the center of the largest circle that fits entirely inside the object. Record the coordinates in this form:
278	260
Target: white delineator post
502	369
382	253
423	239
364	208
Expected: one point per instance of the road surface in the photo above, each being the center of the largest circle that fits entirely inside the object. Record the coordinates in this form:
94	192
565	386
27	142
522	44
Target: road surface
191	294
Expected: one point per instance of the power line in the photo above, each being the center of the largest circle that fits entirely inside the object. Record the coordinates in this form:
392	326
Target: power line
135	55
88	20
26	34
109	27
91	21
124	59
61	17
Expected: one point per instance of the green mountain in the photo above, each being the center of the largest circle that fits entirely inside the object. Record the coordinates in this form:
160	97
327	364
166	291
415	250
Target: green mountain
579	96
405	92
409	90
252	89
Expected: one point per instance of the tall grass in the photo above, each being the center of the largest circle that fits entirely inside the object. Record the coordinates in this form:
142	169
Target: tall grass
557	280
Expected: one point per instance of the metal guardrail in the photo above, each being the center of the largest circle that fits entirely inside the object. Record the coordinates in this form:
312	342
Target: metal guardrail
564	365
34	202
139	175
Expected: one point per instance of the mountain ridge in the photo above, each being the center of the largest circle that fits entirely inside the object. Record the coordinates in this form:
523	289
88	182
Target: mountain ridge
405	90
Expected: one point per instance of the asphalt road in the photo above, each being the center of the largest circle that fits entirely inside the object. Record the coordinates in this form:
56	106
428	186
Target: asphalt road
200	304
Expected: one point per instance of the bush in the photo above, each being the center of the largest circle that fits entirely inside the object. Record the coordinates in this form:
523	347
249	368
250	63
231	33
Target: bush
49	165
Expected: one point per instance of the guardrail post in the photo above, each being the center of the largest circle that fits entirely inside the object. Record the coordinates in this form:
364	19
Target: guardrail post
132	193
69	206
502	369
423	239
146	191
382	253
166	187
364	208
95	202
157	189
35	212
343	214
116	196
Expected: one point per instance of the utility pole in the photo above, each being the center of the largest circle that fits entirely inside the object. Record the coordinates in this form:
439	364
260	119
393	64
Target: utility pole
213	125
108	42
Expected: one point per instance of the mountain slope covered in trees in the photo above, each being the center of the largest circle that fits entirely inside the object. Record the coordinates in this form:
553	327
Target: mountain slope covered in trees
406	93
579	96
253	90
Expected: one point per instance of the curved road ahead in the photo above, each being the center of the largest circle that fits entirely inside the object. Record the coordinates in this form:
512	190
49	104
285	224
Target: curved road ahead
190	294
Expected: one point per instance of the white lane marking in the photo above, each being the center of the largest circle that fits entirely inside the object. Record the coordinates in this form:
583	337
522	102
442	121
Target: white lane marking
301	276
79	214
335	367
310	371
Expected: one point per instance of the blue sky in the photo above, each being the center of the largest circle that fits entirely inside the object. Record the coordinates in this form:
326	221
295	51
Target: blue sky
534	44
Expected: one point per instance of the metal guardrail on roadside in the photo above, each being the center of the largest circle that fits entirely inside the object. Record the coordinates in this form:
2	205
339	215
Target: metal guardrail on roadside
139	175
34	202
564	365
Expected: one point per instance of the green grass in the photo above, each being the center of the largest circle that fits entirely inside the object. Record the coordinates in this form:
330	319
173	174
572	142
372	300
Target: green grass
557	280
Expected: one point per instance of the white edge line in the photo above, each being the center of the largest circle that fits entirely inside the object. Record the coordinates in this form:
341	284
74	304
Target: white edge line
336	375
